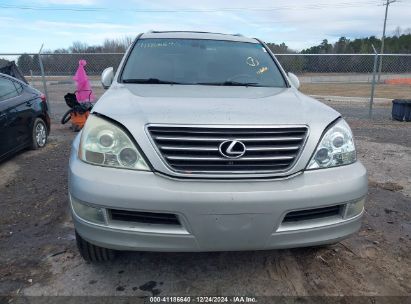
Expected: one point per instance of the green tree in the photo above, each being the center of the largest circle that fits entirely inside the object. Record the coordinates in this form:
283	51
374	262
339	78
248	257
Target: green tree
25	62
281	48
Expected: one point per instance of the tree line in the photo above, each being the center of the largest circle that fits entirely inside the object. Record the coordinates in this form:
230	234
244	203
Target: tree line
399	43
392	45
58	63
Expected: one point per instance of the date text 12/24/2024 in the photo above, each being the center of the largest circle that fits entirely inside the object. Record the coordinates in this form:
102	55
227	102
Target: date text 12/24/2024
203	299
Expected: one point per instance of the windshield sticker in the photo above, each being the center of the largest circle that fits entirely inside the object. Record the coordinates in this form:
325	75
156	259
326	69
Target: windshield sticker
262	70
157	44
252	61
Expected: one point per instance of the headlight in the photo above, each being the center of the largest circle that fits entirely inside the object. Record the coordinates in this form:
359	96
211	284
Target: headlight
103	143
336	148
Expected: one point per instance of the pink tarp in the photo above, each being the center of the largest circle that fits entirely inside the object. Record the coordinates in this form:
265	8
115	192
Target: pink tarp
84	92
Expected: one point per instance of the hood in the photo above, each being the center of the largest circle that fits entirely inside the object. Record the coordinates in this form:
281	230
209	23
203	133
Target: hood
136	105
197	104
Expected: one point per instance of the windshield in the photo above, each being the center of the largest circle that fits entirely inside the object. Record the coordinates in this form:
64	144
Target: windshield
203	62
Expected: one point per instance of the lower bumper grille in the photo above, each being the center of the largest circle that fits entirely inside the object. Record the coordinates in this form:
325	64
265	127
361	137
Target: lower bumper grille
311	214
144	217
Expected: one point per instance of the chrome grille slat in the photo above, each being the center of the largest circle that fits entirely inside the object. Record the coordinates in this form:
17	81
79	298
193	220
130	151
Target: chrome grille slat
244	139
240	165
199	158
195	149
202	148
265	148
251	132
184	148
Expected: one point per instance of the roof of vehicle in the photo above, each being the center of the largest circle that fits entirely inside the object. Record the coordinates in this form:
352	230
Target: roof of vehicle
197	35
12	78
10	68
2	75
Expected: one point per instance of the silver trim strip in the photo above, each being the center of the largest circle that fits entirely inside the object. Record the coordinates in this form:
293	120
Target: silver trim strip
233	180
222	126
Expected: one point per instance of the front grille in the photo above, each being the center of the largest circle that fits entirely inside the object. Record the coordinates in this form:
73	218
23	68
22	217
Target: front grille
144	217
310	214
195	149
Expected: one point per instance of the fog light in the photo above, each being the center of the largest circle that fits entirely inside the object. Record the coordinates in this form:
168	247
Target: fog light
354	208
87	212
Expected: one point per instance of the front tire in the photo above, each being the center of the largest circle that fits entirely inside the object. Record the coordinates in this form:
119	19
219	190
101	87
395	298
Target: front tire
38	134
93	253
66	117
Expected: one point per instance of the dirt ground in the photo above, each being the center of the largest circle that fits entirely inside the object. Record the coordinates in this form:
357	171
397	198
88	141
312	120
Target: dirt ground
38	255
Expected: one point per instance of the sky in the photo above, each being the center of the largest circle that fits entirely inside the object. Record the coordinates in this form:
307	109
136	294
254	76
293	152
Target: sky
26	25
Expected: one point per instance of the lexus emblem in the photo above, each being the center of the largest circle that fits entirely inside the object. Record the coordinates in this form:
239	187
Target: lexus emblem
232	149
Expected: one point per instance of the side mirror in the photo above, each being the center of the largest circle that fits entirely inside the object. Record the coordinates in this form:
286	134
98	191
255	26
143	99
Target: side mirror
294	80
107	77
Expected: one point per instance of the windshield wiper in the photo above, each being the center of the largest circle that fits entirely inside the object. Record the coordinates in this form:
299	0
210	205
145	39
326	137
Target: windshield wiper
231	83
159	81
150	81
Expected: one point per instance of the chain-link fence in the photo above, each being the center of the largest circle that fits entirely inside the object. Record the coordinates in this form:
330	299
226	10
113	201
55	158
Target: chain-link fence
331	75
345	68
323	65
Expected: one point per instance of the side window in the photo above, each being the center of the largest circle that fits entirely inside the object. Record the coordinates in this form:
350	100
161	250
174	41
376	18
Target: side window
7	89
19	87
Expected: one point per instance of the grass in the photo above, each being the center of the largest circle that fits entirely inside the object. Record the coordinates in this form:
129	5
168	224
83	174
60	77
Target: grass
389	91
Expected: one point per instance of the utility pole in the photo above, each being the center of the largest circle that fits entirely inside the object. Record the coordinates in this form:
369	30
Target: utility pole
387	3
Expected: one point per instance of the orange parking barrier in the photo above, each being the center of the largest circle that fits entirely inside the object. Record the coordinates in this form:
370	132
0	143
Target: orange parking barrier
398	81
78	120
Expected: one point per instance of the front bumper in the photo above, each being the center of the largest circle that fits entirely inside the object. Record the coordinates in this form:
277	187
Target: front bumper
215	215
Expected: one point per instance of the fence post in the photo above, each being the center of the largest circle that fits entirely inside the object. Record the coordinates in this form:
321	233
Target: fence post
374	71
43	78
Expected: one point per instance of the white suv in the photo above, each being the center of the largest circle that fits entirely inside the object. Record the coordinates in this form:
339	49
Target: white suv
203	143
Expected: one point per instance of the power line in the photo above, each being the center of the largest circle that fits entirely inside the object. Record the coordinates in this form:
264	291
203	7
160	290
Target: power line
205	10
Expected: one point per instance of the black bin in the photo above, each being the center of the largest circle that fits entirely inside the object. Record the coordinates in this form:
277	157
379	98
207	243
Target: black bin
401	109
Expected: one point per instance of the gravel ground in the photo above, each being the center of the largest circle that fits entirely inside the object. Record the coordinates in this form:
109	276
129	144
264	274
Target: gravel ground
38	255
